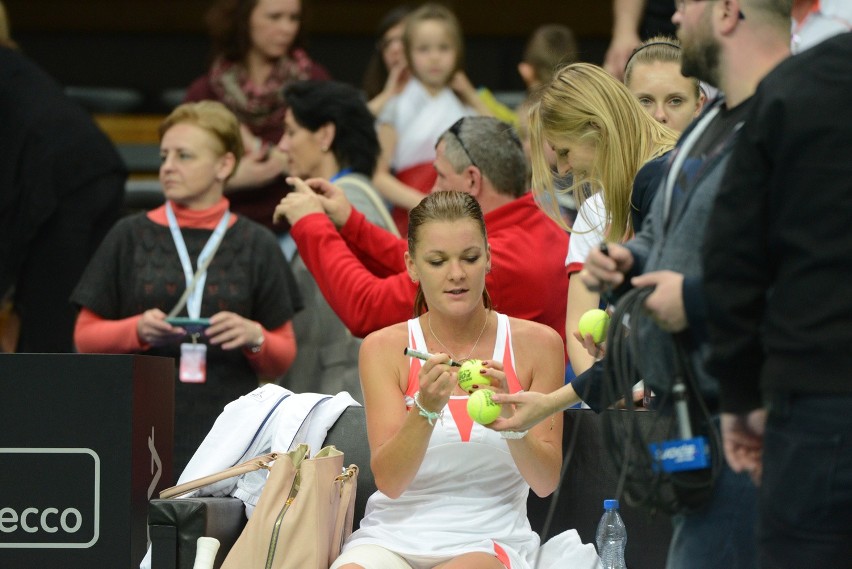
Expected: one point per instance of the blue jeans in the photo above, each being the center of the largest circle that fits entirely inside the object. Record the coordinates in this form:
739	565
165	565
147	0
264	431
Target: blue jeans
806	493
722	534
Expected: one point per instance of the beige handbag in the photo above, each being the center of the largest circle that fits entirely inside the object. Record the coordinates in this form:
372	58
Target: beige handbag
304	513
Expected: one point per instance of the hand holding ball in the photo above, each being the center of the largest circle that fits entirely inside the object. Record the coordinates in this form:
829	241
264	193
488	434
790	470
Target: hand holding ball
594	322
481	408
469	375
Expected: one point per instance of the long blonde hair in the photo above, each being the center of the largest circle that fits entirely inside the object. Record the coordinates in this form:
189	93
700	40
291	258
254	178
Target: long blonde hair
586	103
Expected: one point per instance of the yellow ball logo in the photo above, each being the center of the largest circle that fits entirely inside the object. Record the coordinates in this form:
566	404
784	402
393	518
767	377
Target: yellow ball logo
469	375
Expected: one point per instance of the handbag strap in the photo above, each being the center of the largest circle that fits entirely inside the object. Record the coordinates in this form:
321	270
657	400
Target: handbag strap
259	462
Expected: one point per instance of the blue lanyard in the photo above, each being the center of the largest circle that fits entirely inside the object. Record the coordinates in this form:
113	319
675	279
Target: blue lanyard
344	172
193	303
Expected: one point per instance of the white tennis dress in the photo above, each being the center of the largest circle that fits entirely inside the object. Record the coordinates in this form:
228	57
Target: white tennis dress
468	494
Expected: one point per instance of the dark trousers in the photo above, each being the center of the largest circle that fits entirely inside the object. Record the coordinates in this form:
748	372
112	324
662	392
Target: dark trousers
806	494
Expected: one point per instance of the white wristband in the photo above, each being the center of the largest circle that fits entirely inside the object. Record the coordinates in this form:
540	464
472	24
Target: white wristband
513	435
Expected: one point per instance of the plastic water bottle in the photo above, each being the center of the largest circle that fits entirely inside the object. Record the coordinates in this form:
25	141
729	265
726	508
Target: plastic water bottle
611	537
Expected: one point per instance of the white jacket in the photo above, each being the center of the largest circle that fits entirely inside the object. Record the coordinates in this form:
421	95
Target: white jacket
270	418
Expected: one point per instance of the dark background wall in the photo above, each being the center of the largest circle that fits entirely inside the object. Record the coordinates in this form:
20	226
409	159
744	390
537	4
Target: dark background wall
155	45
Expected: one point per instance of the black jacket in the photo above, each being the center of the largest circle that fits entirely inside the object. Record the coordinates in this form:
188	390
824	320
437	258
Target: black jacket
778	251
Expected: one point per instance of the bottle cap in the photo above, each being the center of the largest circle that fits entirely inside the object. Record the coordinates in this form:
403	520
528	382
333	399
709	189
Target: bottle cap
610	504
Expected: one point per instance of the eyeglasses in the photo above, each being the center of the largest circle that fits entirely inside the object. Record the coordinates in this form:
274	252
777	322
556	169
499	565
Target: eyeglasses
681	4
455	130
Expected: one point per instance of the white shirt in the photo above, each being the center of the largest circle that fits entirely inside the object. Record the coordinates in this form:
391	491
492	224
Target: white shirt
587	233
419	119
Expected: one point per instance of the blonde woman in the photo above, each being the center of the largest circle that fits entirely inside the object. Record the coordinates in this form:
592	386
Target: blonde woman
653	76
602	138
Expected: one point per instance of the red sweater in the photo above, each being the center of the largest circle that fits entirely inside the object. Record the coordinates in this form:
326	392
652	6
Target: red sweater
527	278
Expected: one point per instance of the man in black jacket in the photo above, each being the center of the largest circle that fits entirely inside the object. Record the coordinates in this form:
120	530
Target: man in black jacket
777	265
61	189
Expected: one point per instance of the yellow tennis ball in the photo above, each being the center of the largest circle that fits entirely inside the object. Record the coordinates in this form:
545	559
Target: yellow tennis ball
481	408
594	322
469	375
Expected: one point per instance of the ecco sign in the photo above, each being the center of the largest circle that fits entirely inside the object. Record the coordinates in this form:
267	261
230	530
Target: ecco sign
52	499
31	521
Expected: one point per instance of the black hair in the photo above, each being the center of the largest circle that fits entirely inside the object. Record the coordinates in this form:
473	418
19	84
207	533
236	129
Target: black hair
316	103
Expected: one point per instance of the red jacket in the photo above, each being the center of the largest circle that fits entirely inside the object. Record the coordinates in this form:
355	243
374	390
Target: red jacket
362	275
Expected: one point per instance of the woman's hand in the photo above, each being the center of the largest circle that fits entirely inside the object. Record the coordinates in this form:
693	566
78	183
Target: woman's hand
597	351
493	370
463	88
261	163
256	171
437	381
528	409
231	331
153	329
398	76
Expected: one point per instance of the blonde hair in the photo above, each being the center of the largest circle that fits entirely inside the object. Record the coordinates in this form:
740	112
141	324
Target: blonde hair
437	13
664	49
586	103
443	206
215	118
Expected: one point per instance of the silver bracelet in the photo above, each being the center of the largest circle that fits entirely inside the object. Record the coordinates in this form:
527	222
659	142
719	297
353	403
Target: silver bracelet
513	435
430	415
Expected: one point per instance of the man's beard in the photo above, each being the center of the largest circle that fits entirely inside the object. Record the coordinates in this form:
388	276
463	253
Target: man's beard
701	60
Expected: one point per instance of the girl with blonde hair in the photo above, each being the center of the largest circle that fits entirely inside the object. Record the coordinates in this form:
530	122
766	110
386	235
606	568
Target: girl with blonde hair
653	76
437	95
602	138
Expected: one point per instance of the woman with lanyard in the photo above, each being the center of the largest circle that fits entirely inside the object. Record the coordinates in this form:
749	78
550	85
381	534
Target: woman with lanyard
226	318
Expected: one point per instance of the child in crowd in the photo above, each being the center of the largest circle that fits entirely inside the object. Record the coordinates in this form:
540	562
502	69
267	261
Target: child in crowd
550	47
436	96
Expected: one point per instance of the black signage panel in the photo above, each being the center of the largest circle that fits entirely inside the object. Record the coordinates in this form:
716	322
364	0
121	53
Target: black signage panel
85	441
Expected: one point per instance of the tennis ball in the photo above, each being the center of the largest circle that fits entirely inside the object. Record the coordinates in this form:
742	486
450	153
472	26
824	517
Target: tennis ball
481	408
469	375
594	322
